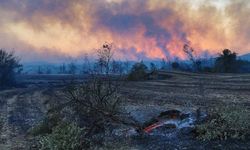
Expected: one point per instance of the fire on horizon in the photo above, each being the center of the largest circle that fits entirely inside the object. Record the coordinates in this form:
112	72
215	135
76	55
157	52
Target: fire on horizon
49	29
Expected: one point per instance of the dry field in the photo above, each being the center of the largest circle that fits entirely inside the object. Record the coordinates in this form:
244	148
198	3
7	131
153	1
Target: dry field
22	108
181	89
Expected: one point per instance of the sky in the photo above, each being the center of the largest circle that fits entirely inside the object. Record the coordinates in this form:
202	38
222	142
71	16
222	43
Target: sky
53	30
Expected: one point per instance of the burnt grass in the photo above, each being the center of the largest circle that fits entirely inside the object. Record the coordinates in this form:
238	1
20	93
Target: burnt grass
24	107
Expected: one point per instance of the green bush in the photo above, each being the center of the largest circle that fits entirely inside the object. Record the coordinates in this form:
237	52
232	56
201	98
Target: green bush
63	137
138	72
225	122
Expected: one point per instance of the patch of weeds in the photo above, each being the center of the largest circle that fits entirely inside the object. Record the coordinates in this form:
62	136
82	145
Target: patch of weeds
46	126
64	136
225	122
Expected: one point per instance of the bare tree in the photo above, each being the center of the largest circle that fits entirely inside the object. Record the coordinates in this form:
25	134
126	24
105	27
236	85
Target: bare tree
105	54
189	51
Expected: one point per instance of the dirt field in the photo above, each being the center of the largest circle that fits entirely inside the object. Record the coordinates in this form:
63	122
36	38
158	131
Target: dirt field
22	108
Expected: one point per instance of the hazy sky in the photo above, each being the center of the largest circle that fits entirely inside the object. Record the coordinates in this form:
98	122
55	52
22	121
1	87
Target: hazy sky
53	29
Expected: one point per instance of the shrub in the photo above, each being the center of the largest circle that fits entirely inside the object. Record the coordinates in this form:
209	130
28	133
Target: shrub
225	122
97	105
46	126
138	72
63	137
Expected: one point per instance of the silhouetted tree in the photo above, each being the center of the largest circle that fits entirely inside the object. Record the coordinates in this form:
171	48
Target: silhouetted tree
105	54
175	65
117	67
244	66
226	62
86	68
153	67
62	69
72	68
138	72
189	51
9	66
39	70
126	66
48	70
163	64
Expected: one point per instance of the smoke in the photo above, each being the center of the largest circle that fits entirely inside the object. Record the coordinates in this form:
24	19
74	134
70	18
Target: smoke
139	29
238	12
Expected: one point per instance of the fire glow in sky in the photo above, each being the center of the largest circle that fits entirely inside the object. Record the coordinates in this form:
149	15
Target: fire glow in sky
49	29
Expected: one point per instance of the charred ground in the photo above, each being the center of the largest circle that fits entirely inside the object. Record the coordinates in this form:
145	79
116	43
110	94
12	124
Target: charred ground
23	108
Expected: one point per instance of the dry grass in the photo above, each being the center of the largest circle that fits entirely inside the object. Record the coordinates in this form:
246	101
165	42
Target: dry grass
225	122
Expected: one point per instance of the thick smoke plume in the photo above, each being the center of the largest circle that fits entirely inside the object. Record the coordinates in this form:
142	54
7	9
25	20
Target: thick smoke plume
140	29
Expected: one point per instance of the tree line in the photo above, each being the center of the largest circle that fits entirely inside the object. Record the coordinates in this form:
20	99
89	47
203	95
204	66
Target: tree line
226	62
